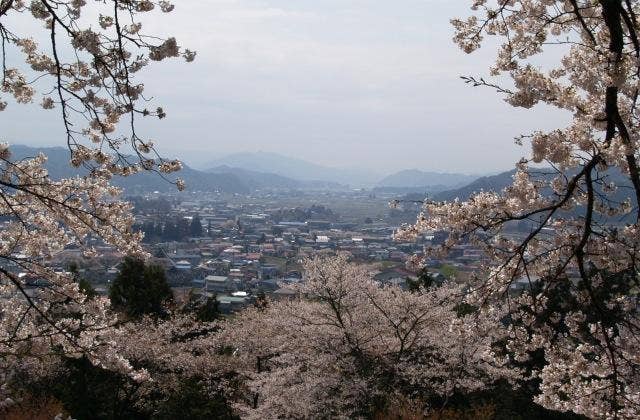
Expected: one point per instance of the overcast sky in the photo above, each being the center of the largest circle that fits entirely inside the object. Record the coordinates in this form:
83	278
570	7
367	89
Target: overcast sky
364	83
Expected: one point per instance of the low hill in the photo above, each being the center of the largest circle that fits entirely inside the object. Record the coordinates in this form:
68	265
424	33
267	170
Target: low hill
265	180
414	178
486	183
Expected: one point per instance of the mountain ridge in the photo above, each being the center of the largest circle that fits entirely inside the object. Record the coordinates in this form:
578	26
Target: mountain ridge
416	178
295	168
486	183
58	166
223	179
271	180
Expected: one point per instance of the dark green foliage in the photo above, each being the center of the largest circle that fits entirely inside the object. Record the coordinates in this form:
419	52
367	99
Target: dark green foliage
193	402
204	309
424	281
152	231
183	228
509	404
87	288
173	229
208	311
170	231
261	300
464	309
84	284
196	226
140	289
159	253
88	392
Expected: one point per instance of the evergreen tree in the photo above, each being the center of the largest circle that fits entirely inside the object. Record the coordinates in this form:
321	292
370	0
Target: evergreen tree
84	284
196	226
149	230
183	228
209	311
140	289
425	280
169	233
158	229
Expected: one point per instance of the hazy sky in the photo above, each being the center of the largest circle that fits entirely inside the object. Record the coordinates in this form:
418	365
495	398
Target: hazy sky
366	83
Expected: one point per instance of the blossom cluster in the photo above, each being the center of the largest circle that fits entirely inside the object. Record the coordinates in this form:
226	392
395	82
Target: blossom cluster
578	205
42	217
93	83
346	341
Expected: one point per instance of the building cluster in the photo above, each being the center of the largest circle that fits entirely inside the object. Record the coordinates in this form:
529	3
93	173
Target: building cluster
237	249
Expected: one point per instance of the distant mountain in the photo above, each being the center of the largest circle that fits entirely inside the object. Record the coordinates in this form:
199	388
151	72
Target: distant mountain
293	168
222	178
57	159
419	191
414	178
266	180
257	179
59	167
486	183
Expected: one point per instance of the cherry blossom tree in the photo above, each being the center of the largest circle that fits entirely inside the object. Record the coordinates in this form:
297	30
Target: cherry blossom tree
89	74
83	64
347	346
578	194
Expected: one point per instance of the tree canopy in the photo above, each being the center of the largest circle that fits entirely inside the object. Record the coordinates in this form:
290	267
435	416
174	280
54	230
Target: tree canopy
140	289
80	59
578	191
